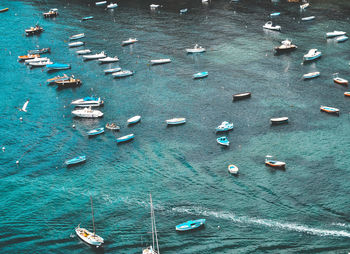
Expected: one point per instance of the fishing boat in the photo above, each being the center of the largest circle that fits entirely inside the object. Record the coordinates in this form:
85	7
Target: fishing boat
190	225
39	51
77	36
34	30
87	113
51	13
154	6
87	236
270	26
233	169
154	248
129	41
122	74
125	138
40	63
108	59
340	81
29	56
196	49
87	18
200	75
96	132
311	75
36	59
112	70
95	56
241	96
223	141
269	161
57	78
160	61
285	46
308	18
330	110
5	9
76	160
112	126
176	121
275	14
224	126
83	51
312	55
76	44
101	3
335	34
134	119
347	94
70	82
112	6
279	120
182	11
58	66
88	101
342	38
304	6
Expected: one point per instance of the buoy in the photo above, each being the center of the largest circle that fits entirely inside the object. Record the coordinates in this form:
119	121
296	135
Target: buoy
17	162
3	148
73	125
21	118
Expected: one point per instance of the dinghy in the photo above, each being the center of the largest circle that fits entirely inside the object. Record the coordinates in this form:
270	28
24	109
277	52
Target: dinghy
108	59
270	26
88	101
190	225
330	110
96	132
87	113
112	6
51	13
347	94
58	66
175	121
335	34
196	49
34	30
311	75
233	169
76	160
241	96
29	56
269	161
76	36
125	138
342	38
134	120
122	74
130	41
112	126
96	56
182	11
87	18
308	18
312	55
304	6
223	141
108	71
340	81
154	248
154	6
224	126
279	120
275	14
39	51
160	61
100	3
200	75
285	46
83	51
75	44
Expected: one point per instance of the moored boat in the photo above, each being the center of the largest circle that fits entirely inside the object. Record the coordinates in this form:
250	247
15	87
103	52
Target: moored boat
70	82
304	6
101	3
37	59
129	41
77	36
154	6
313	54
182	11
112	6
196	49
190	225
39	51
200	75
241	96
270	26
134	119
176	121
57	78
279	120
29	56
76	160
269	161
87	18
40	63
51	13
347	94
95	56
125	138
83	51
311	75
285	46
112	126
308	18
87	113
95	132
223	141
342	38
224	126
4	9
75	44
88	101
335	34
330	110
122	74
233	169
108	59
160	61
112	70
340	81
58	66
275	14
34	30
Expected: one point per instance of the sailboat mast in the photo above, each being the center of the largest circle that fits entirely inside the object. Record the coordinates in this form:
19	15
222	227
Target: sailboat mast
150	198
155	230
92	212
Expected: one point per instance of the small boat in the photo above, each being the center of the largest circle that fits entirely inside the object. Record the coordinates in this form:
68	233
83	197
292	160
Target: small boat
83	51
96	131
112	126
279	120
101	3
311	75
275	14
190	225
57	78
112	6
29	56
76	36
58	66
76	160
87	113
223	141
96	56
176	121
129	41
154	6
87	18
125	138
5	9
39	51
270	26
308	18
342	38
108	71
196	49
330	110
51	13
70	82
108	59
347	94
200	75
269	161
340	81
154	248
285	46
304	6
312	55
233	169
224	126
122	74
335	34
34	30
40	63
160	61
37	59
88	101
182	11
241	96
76	44
134	120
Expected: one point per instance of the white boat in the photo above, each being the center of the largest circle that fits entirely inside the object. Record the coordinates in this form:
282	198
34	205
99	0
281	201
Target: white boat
112	70
112	6
311	75
160	61
75	44
233	169
269	161
154	248
342	38
312	55
175	121
196	49
335	34
108	59
134	120
279	120
96	56
77	36
270	26
37	59
122	74
101	3
88	101
83	51
129	41
125	138
308	18
224	126
87	113
41	63
154	6
304	6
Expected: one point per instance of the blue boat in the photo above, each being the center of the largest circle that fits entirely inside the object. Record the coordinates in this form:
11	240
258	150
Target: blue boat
96	131
76	160
87	18
342	38
223	141
190	225
183	11
312	55
275	14
58	66
199	75
125	138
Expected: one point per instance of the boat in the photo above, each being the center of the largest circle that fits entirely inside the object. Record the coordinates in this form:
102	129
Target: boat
112	6
36	59
304	6
241	96
224	126
87	113
223	141
308	18
88	101
196	49
154	6
233	169
129	41
269	161
200	75
154	248
58	66
108	59
190	225
87	236
40	63
57	78
340	81
125	138
270	26
122	74
160	61
87	18
312	55
112	70
70	82
5	9
335	34
96	56
182	11
96	132
29	56
311	75
134	119
76	160
51	13
275	14
77	36
34	30
83	51
176	121
330	110
285	46
112	126
279	120
76	44
347	94
101	3
342	38
39	51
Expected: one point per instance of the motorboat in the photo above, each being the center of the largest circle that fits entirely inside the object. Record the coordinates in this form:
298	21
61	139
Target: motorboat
330	110
182	11
100	3
285	46
95	56
196	49
134	120
154	6
129	41
278	120
269	161
160	61
176	121
88	101
200	75
39	51
70	82
57	78
37	59
108	59
95	132
224	126
223	141
83	51
40	63
342	38
4	9
87	113
275	14
304	6
112	6
340	81
51	13
335	34
76	160
77	36
112	70
75	44
233	169
154	248
270	26
241	96
312	55
87	18
58	66
190	225
125	138
308	18
122	74
34	30
112	126
311	75
347	94
29	56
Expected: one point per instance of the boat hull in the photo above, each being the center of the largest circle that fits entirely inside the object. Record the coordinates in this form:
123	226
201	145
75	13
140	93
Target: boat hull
241	96
190	225
87	240
330	110
125	138
280	120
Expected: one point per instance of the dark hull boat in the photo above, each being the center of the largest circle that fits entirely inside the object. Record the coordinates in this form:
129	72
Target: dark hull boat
34	30
241	96
286	46
72	82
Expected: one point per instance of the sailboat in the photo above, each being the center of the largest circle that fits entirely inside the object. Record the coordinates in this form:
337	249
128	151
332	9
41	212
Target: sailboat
152	249
86	235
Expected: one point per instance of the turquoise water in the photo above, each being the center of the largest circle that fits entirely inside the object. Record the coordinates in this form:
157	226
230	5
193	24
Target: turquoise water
304	209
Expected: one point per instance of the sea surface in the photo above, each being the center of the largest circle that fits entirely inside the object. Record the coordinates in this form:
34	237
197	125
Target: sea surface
304	209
